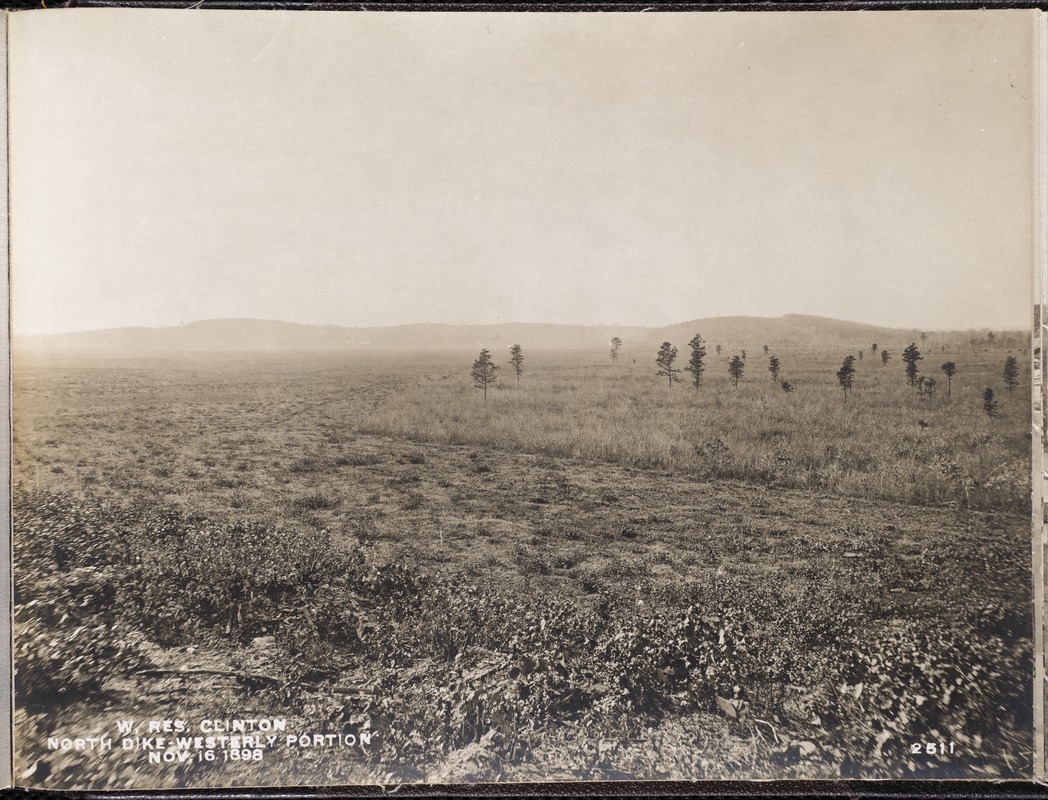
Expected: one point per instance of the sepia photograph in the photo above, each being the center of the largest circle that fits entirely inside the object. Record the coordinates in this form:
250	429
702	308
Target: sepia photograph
474	397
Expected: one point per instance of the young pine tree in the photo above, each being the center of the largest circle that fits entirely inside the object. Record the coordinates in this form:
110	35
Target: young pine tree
911	355
696	363
885	355
516	358
846	375
926	387
664	359
616	343
484	372
735	369
774	367
1011	373
949	368
989	404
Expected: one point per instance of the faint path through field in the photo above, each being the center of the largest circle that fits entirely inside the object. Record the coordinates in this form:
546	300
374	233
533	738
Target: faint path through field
359	395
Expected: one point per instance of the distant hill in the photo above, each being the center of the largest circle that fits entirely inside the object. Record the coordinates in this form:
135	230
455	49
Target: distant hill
227	335
794	330
252	335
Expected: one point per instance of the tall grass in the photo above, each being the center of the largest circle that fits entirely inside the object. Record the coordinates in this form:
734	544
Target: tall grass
884	443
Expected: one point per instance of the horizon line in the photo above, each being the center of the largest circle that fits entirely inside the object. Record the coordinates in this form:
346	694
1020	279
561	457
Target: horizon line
503	324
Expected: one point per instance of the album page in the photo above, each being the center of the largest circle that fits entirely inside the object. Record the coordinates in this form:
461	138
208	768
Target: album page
460	397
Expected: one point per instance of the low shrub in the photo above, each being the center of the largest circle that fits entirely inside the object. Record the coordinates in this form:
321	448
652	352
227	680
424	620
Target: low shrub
453	662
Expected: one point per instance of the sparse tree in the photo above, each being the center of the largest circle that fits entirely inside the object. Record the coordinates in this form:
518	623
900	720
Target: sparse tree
1011	373
911	355
735	369
846	375
773	367
924	335
926	387
885	355
696	363
484	372
873	348
765	349
616	343
718	349
743	355
666	356
860	355
516	358
989	404
949	368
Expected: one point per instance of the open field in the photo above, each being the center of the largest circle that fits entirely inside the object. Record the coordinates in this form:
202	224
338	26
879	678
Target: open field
593	575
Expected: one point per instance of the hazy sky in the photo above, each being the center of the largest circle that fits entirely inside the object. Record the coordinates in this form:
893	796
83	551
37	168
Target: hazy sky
384	168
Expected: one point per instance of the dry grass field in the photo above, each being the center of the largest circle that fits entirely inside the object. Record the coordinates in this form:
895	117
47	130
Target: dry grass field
590	576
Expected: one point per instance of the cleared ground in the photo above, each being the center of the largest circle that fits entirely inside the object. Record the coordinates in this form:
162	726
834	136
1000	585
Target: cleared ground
591	576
